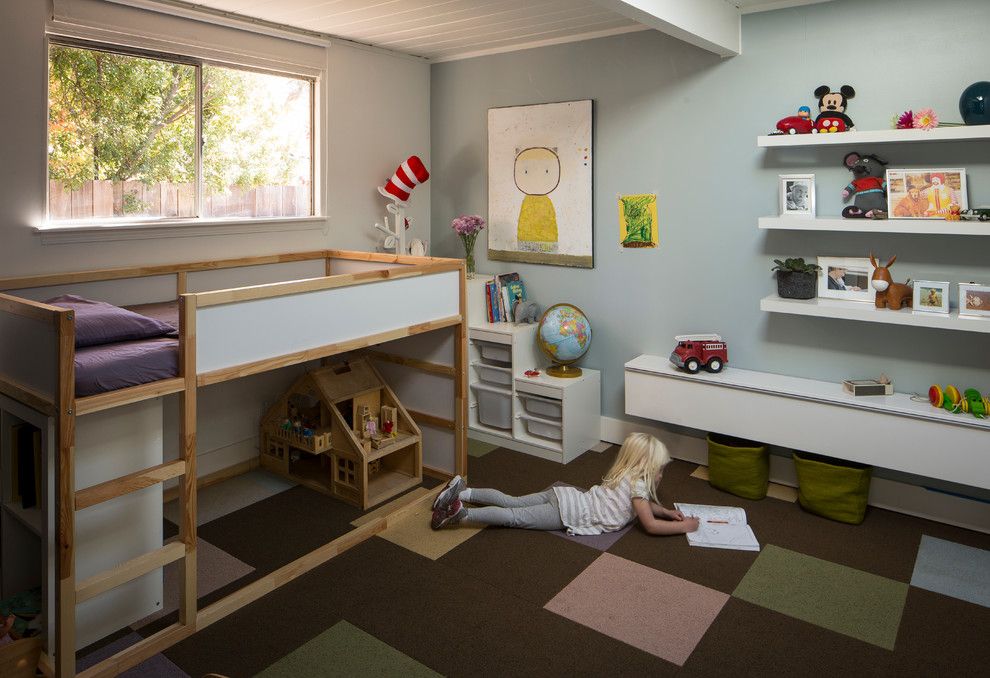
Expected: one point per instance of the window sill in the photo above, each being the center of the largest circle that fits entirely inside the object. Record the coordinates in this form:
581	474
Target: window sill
104	232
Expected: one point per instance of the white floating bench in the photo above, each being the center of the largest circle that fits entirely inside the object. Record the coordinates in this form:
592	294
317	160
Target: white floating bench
893	432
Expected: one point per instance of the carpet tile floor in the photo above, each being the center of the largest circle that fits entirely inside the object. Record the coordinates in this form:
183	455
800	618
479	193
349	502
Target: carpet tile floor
895	596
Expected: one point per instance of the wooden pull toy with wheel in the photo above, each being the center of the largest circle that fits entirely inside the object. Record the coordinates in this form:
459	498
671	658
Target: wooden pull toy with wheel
969	401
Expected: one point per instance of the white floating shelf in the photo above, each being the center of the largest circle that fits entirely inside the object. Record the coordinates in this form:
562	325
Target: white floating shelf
867	312
920	226
885	136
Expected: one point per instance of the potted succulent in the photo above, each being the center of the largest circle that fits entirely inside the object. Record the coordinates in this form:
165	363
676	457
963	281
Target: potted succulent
795	278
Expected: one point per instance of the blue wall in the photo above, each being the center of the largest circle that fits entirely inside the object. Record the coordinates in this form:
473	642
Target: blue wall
675	120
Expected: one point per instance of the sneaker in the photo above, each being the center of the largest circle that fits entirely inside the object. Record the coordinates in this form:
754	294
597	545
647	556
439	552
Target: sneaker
450	493
451	514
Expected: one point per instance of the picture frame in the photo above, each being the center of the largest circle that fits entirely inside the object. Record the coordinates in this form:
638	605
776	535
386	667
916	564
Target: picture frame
974	299
931	296
925	193
797	195
846	278
540	184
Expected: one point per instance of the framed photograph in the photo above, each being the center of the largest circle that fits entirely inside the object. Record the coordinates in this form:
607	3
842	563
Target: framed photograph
931	296
540	195
925	193
845	278
797	195
974	299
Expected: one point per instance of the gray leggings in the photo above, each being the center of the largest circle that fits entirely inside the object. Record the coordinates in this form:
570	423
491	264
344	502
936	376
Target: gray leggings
539	511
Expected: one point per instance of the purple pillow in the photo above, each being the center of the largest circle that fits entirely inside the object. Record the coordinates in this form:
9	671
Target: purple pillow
98	322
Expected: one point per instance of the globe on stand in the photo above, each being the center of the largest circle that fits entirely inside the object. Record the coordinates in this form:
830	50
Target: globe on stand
564	336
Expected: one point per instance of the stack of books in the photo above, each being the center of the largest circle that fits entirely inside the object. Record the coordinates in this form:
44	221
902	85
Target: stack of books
501	295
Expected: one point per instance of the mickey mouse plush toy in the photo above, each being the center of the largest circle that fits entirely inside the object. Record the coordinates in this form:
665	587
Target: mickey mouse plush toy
832	109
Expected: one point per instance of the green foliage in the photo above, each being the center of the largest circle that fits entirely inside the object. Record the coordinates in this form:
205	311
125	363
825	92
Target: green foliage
126	118
795	265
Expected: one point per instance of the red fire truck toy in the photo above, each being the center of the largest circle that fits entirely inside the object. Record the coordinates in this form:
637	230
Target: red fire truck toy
695	351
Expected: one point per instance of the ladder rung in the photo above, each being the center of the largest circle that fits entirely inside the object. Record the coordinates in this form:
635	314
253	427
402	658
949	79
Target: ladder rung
132	569
138	480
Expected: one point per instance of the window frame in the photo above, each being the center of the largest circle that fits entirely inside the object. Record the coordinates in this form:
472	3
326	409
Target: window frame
255	223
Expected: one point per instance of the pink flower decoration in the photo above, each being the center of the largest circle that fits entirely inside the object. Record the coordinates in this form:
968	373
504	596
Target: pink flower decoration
468	224
926	119
906	120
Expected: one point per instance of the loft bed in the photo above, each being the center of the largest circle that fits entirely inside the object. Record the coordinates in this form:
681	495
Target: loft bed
343	302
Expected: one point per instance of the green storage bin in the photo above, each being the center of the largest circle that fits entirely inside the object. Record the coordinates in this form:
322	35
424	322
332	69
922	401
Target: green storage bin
741	467
832	488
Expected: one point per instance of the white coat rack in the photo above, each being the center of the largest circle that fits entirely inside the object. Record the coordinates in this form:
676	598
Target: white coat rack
395	237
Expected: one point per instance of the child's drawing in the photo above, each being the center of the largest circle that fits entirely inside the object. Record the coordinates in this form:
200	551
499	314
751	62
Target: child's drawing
638	220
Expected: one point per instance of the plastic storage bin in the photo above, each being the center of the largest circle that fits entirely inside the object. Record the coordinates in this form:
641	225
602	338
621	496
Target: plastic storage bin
738	466
548	408
491	350
492	374
494	406
832	488
541	428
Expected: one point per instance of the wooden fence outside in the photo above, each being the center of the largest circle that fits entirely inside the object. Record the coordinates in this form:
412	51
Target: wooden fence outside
96	199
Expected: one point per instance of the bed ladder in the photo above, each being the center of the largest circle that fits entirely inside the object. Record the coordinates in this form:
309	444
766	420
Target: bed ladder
71	592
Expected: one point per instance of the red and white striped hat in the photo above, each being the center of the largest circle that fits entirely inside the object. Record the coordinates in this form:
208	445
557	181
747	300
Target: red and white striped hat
410	174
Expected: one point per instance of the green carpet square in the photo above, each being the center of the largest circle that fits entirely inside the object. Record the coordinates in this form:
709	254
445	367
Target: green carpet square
839	598
476	448
345	650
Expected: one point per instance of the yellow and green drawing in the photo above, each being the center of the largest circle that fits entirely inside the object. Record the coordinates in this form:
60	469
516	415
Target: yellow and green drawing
638	221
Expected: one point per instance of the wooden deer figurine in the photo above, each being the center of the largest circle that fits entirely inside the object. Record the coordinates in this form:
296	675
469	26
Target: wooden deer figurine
889	294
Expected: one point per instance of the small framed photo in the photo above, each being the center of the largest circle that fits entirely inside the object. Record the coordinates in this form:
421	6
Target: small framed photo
845	278
931	296
925	193
797	195
974	299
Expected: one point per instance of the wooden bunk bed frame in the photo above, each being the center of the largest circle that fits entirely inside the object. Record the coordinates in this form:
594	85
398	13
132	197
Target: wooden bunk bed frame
51	340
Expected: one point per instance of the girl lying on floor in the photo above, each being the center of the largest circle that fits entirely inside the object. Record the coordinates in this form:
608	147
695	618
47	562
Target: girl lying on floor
627	491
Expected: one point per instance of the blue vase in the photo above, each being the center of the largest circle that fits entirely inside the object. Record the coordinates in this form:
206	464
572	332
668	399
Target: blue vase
974	104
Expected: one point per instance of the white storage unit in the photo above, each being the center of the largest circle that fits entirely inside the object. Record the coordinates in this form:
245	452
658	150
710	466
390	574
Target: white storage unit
548	417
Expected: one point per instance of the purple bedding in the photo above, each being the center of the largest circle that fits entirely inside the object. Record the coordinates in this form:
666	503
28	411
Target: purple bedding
108	367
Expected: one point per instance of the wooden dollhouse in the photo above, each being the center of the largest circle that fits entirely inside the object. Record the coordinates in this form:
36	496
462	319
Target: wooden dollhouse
342	431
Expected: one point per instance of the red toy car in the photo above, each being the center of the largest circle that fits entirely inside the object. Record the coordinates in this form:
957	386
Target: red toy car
694	351
795	124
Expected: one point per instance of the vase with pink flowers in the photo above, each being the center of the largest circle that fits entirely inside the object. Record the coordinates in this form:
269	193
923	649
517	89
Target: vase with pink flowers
468	226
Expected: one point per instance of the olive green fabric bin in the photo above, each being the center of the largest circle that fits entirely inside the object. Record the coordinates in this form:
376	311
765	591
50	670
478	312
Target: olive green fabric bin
832	488
741	467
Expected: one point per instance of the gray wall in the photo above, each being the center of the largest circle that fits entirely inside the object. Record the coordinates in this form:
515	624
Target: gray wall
675	120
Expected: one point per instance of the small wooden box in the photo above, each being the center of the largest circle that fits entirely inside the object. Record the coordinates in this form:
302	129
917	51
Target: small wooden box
867	387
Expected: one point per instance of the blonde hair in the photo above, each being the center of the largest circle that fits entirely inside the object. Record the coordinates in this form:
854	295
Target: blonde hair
641	458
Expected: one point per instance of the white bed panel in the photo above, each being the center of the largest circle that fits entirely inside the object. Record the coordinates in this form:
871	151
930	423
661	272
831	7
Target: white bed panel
110	444
118	292
243	276
28	353
434	347
244	332
438	448
341	266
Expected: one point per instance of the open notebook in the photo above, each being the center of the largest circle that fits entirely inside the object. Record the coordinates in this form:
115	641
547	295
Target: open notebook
720	527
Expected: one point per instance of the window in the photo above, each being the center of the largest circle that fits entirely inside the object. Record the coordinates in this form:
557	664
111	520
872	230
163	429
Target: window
122	129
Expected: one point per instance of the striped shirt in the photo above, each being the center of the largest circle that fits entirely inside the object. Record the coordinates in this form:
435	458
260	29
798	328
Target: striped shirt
600	509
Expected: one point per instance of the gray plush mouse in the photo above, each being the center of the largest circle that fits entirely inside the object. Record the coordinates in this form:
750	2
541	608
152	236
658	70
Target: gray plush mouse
868	189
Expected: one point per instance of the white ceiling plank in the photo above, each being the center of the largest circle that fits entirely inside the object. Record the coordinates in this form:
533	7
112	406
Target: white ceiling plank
458	55
713	25
516	30
466	9
487	24
538	35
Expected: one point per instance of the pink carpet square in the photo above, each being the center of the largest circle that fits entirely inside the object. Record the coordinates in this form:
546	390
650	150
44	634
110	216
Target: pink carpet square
648	609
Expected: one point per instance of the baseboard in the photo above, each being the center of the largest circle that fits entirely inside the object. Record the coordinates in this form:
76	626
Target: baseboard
913	500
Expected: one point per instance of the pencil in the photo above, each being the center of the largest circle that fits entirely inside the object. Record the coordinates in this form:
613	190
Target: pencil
720	522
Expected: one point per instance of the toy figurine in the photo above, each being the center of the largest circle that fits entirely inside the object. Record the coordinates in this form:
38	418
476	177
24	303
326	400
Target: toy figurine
525	312
796	124
889	294
868	189
832	109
